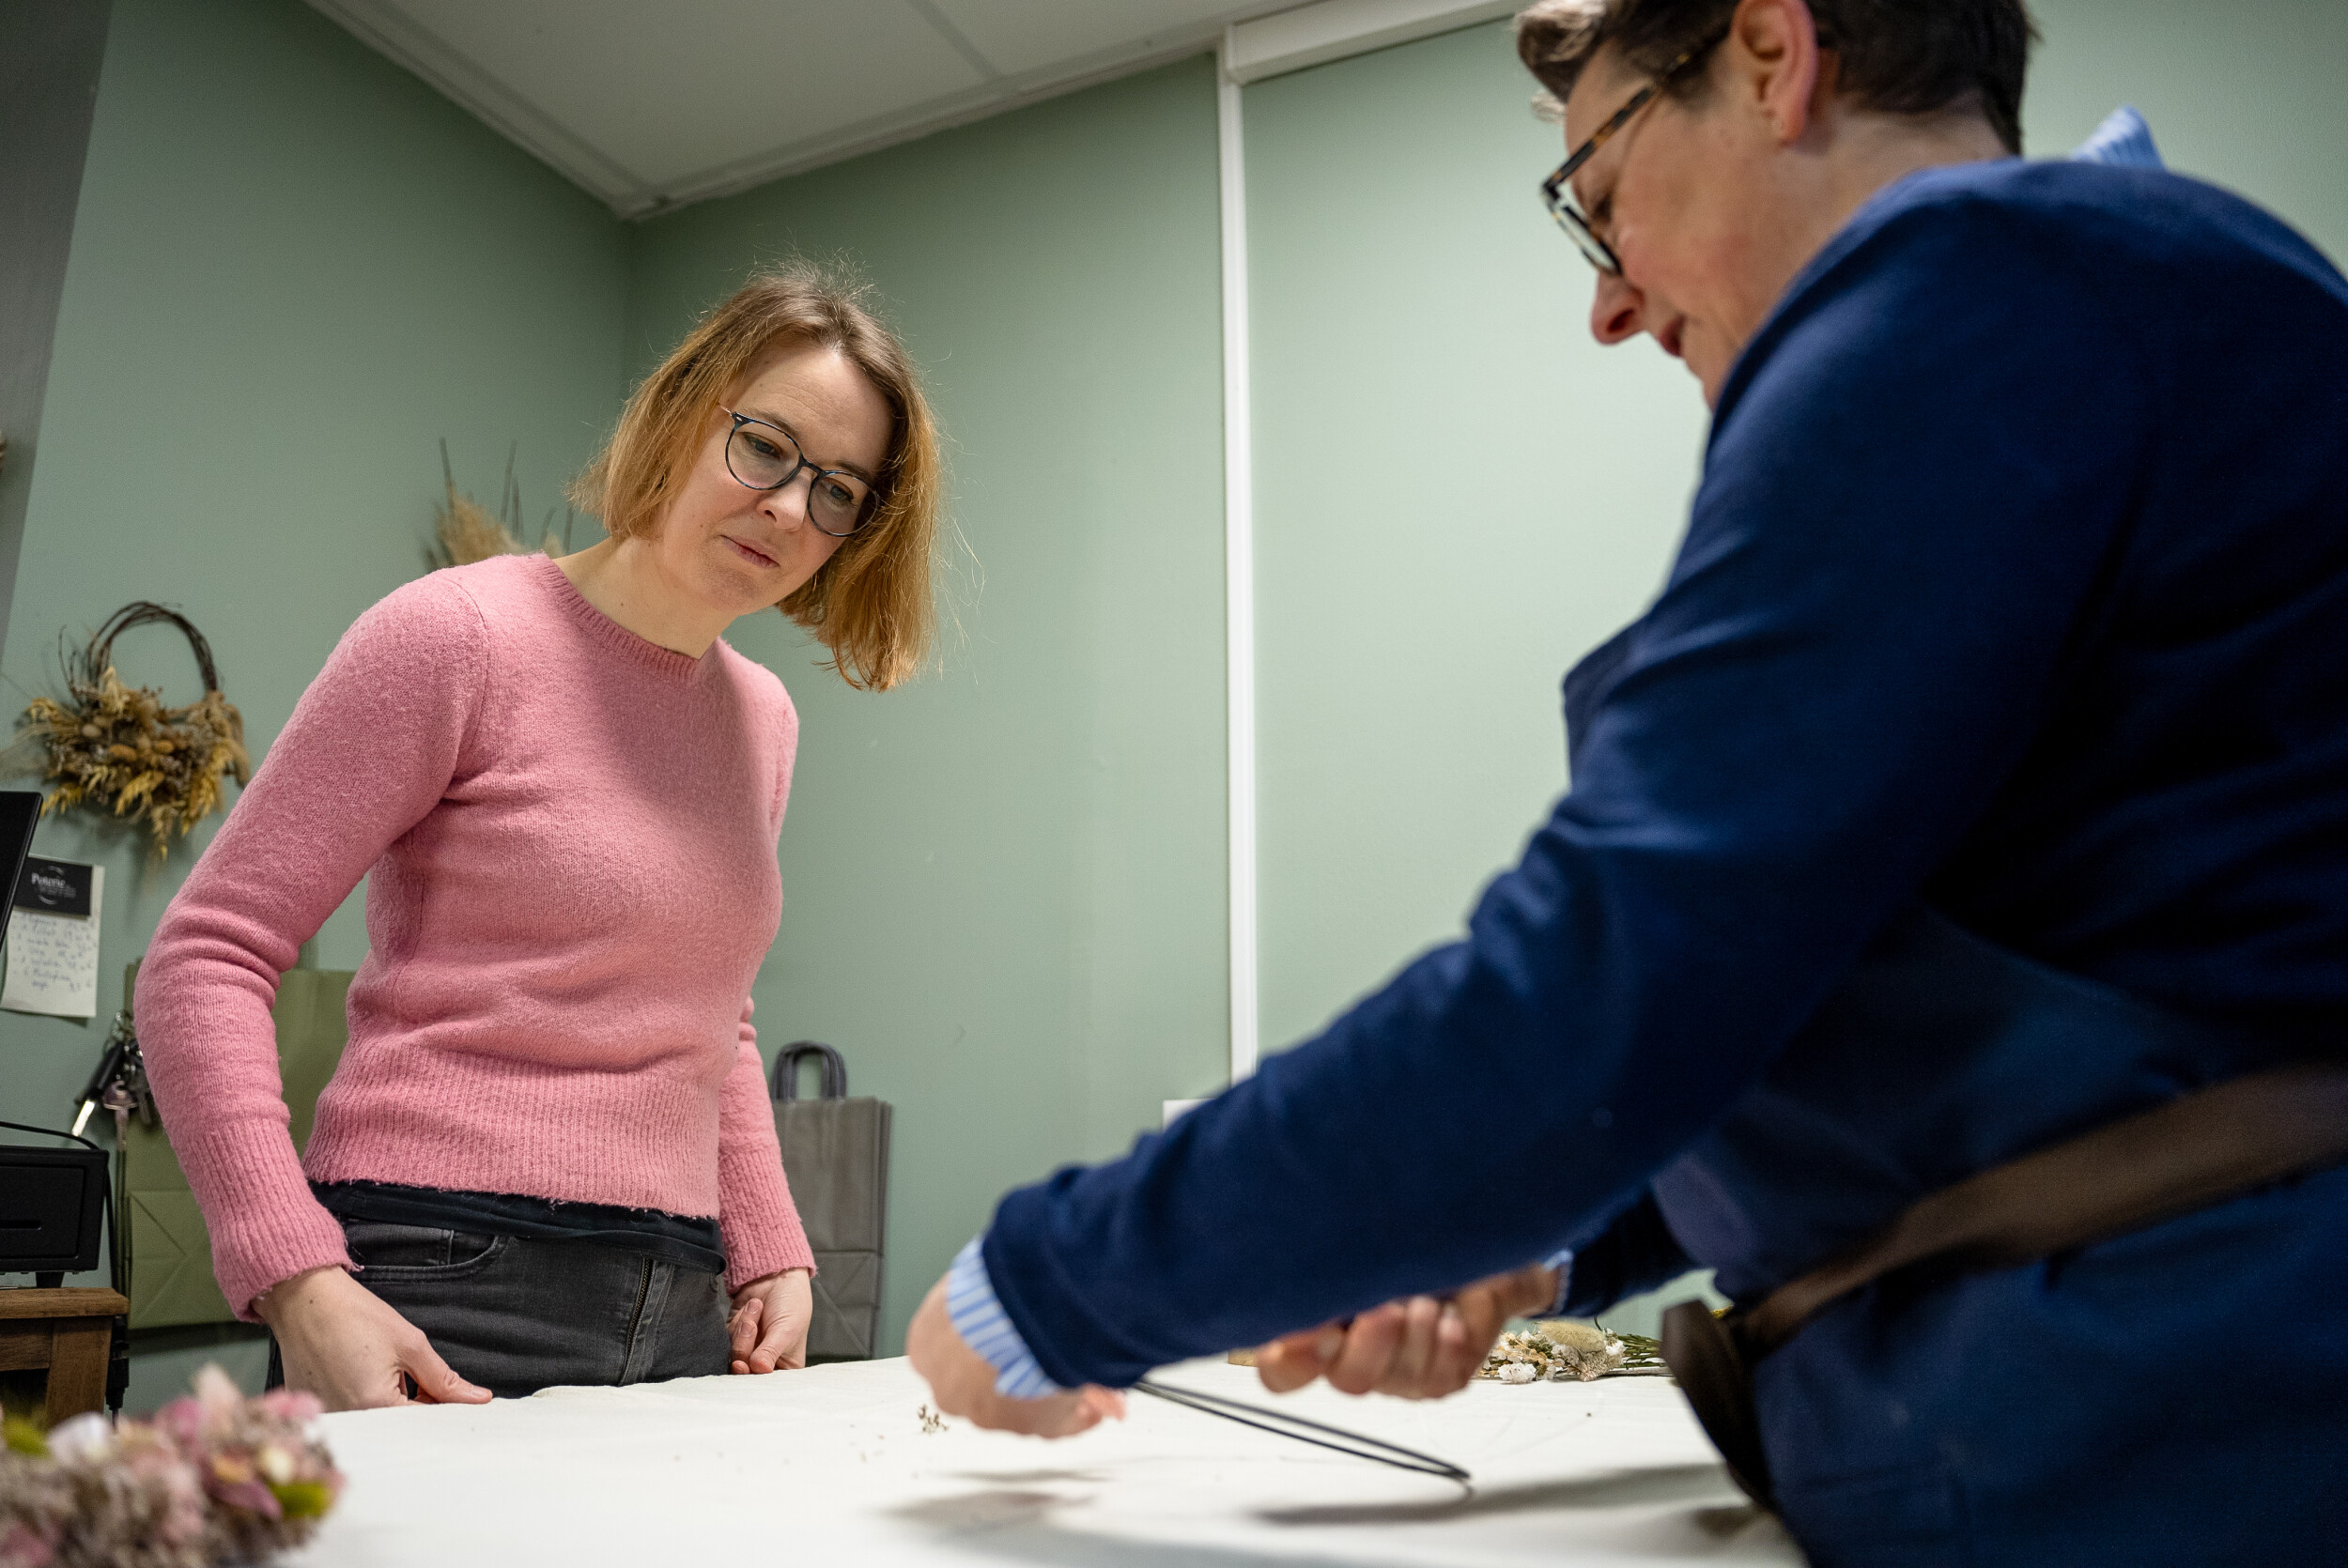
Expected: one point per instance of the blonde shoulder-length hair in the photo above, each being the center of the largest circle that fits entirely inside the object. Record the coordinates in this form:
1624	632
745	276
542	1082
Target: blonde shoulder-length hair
873	603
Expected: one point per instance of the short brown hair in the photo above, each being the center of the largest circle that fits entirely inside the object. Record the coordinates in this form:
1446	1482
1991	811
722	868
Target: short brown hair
873	603
1895	57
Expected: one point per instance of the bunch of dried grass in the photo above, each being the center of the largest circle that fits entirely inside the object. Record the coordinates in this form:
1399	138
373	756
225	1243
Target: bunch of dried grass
1554	1349
468	533
119	746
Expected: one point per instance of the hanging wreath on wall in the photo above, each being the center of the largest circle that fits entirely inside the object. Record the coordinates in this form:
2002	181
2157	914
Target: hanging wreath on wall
113	745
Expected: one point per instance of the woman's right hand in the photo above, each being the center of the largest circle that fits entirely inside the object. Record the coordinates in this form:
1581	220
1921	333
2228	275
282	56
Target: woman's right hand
343	1342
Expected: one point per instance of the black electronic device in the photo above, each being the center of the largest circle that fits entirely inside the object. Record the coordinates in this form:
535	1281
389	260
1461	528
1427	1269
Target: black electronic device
50	1217
20	813
54	1204
50	1199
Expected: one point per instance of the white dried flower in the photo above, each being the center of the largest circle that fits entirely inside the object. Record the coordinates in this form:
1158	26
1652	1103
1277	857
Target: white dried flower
1584	1351
1554	1349
85	1437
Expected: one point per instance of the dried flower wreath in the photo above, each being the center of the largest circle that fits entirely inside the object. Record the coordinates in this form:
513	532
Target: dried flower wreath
113	745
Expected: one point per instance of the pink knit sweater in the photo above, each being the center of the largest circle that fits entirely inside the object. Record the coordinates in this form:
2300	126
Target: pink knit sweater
571	837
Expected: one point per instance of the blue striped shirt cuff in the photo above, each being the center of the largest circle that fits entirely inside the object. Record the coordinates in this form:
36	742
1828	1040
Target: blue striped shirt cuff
1563	1262
979	1317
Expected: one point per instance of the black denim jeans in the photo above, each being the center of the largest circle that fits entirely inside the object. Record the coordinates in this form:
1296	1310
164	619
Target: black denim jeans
517	1315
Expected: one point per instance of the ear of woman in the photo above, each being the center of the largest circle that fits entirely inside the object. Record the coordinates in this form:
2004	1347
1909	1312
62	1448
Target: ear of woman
1770	58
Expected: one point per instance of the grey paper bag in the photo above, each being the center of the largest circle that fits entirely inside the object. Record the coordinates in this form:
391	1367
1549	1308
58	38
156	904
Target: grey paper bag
835	1152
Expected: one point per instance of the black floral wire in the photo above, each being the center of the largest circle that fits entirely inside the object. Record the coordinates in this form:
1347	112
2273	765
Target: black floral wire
1280	1424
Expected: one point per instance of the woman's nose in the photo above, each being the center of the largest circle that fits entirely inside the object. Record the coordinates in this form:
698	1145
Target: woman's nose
1617	311
787	502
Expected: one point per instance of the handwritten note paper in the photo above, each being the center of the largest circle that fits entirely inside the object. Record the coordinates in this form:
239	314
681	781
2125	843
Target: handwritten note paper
52	959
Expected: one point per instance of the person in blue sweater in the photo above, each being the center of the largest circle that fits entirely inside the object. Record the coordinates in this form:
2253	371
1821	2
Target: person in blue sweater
1978	780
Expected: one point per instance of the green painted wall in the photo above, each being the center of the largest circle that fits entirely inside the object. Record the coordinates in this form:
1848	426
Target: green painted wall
1456	492
2247	94
295	268
1004	885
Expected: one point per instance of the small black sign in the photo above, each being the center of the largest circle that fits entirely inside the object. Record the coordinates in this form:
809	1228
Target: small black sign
54	886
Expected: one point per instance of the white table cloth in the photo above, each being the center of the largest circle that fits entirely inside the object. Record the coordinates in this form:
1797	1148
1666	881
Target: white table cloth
832	1465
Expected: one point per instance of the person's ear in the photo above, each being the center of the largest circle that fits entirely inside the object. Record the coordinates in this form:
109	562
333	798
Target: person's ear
1774	67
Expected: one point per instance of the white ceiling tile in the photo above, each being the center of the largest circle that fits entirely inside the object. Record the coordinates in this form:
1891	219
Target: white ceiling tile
669	92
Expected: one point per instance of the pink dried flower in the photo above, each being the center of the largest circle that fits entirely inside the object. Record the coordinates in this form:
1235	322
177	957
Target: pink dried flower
234	1483
24	1546
219	1395
182	1421
296	1406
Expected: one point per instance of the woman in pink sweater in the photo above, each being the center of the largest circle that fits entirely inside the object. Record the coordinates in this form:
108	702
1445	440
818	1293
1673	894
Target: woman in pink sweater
547	1156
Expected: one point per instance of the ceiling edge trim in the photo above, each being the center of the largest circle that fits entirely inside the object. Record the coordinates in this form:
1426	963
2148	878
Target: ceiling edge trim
401	40
1256	41
967	107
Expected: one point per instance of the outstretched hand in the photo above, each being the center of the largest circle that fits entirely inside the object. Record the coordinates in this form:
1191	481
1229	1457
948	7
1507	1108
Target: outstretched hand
964	1383
1420	1349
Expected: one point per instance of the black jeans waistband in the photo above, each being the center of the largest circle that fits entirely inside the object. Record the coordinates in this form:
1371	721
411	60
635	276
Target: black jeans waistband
691	1243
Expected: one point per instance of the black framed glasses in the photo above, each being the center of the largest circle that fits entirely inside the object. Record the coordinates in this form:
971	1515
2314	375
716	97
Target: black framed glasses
1557	194
764	456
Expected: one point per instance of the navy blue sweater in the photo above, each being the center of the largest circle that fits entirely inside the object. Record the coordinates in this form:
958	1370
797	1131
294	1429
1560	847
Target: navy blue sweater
2017	585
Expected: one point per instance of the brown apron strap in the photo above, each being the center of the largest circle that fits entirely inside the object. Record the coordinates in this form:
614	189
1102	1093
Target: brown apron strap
2207	1146
1711	1370
2198	1150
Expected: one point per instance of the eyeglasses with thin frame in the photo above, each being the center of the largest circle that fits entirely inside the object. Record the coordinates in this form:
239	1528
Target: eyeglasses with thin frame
761	456
1557	194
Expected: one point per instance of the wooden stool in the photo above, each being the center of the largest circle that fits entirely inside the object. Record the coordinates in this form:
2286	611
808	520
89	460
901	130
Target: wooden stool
68	1333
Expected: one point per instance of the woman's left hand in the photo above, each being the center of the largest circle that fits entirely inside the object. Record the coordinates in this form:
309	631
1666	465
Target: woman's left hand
769	1322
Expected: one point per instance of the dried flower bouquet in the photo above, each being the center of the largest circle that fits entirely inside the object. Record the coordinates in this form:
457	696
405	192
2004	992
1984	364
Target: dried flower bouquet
213	1479
465	533
1557	1349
